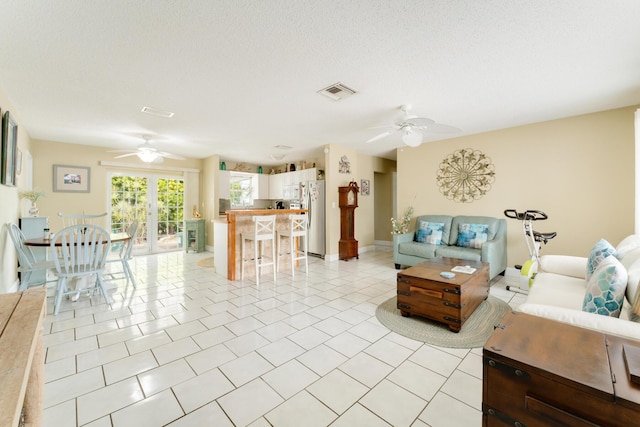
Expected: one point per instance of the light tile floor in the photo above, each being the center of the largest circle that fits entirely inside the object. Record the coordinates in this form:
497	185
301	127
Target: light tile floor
190	348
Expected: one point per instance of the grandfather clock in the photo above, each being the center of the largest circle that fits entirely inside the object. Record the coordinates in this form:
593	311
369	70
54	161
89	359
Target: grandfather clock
348	202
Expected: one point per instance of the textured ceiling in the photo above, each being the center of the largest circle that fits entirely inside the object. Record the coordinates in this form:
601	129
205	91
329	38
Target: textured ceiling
242	76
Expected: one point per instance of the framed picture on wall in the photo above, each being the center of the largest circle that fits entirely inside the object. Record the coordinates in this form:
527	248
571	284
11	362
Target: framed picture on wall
71	179
9	147
364	187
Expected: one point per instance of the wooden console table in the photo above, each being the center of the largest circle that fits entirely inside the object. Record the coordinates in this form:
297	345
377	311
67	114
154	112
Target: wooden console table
21	357
538	372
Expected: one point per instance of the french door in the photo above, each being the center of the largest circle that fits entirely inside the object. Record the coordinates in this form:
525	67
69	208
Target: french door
157	202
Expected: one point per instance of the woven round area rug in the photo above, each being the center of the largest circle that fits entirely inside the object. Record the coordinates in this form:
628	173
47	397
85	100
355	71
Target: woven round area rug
474	333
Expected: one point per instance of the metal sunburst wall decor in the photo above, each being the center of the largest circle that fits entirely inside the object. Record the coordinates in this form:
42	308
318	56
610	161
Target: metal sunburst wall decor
465	175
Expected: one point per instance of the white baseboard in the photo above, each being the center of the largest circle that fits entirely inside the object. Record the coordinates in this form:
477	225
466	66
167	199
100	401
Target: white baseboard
331	257
383	243
366	249
15	286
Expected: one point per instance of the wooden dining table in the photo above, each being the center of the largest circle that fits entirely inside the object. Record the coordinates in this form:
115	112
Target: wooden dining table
42	242
81	282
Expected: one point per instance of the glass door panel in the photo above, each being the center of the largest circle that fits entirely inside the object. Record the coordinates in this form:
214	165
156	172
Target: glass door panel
129	202
158	205
170	214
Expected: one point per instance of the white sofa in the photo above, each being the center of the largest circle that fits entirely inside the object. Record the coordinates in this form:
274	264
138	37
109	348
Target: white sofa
559	288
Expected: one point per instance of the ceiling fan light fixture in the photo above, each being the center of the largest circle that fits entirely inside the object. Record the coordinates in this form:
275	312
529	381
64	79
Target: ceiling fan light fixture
148	156
412	138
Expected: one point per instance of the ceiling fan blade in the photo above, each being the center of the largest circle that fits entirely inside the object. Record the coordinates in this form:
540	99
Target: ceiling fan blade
126	155
419	121
382	135
171	156
121	151
440	128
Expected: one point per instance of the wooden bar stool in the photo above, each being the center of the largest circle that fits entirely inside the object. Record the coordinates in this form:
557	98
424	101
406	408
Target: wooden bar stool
297	250
263	230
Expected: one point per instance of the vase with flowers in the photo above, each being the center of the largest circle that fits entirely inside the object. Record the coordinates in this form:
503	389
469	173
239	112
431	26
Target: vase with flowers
32	196
401	225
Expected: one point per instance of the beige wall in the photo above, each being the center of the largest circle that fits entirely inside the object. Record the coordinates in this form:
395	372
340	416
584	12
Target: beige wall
11	205
209	196
383	204
362	167
579	170
335	179
374	211
48	153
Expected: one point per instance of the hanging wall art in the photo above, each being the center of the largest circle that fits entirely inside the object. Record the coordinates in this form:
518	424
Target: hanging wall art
344	165
465	175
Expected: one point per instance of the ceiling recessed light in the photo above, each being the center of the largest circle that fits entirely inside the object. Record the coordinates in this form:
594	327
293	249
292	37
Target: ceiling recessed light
283	147
156	112
276	156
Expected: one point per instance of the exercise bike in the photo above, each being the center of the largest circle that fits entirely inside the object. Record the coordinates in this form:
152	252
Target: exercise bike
534	241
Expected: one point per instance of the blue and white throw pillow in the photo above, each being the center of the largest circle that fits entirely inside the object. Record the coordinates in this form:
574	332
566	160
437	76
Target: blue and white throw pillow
472	235
430	232
605	288
601	250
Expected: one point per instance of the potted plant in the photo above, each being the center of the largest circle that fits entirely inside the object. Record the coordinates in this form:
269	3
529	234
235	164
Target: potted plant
32	196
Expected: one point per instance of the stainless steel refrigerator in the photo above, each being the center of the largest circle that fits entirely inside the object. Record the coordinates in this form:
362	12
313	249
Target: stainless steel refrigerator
312	198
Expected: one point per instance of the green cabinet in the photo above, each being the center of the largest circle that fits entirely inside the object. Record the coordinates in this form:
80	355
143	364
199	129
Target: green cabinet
194	235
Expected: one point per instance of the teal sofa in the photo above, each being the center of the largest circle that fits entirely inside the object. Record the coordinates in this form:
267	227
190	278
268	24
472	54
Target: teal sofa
407	251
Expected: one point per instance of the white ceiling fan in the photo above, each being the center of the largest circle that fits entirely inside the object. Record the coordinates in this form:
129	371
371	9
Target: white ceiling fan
413	128
147	153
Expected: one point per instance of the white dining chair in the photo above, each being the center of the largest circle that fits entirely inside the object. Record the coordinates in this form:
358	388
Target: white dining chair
83	219
82	250
123	255
27	262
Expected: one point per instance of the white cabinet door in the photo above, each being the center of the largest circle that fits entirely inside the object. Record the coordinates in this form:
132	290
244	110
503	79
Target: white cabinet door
223	184
286	178
263	186
308	175
296	177
276	184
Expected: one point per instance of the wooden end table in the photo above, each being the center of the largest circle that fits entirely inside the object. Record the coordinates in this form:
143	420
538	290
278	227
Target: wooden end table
424	292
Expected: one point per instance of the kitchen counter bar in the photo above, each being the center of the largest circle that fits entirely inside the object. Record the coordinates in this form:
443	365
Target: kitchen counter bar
239	221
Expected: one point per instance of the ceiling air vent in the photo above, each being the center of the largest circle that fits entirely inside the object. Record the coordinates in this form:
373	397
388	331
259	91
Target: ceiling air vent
337	91
156	112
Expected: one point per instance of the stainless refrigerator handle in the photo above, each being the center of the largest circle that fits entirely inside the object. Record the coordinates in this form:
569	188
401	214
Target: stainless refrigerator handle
309	208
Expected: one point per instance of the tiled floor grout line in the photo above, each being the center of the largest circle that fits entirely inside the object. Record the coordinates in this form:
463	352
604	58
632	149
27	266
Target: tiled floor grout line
327	281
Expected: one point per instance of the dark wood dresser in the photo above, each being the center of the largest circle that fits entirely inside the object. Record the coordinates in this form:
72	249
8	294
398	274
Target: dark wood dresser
538	372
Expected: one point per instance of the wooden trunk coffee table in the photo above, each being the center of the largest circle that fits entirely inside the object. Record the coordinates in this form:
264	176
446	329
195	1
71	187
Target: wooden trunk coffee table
424	292
539	372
